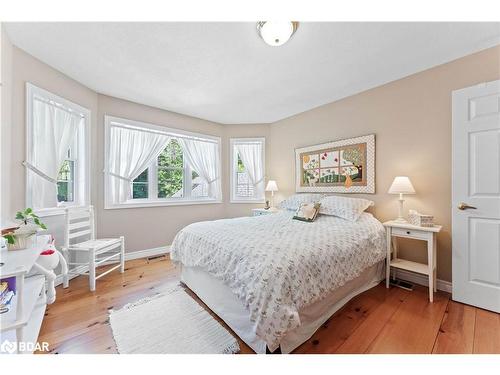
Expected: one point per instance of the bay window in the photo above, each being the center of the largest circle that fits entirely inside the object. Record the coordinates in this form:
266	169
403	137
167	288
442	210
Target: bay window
149	165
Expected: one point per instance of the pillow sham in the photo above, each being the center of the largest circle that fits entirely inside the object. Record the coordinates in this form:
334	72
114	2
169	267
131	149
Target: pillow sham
344	207
307	212
294	202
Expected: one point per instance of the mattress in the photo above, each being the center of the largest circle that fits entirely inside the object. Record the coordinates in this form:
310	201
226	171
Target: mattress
276	266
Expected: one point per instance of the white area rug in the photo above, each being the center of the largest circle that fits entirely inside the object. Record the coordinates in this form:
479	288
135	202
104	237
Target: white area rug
170	322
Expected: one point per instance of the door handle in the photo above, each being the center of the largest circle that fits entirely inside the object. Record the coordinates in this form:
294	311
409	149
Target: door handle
464	206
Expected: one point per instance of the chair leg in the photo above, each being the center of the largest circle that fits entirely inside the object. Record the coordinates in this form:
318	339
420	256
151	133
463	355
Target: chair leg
92	270
122	255
66	276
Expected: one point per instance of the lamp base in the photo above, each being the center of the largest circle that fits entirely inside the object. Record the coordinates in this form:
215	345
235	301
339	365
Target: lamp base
401	220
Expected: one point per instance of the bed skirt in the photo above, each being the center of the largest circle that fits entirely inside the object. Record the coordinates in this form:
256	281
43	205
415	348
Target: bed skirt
219	298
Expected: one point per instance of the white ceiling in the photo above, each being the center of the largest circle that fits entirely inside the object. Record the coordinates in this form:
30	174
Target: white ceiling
224	72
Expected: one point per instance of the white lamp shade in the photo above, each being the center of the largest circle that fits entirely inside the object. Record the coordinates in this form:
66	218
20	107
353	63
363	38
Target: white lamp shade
401	185
272	186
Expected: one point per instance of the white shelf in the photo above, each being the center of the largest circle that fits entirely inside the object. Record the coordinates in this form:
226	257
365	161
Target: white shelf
410	266
32	329
31	296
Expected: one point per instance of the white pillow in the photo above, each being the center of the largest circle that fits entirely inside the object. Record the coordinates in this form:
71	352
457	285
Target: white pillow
294	202
345	207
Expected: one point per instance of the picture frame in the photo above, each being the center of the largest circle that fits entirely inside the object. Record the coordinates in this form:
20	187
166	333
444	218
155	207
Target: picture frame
343	166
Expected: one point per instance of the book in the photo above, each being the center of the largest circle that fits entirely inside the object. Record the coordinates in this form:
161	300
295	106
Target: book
6	299
3	286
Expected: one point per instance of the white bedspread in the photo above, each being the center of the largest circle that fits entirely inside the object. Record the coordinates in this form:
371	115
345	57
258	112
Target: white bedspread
276	265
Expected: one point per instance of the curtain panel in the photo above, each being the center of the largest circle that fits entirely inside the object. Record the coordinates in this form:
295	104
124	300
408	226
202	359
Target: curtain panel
203	157
53	132
251	156
130	153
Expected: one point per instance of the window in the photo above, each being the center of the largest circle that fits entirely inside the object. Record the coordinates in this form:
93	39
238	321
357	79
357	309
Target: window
57	170
66	180
247	170
171	175
179	167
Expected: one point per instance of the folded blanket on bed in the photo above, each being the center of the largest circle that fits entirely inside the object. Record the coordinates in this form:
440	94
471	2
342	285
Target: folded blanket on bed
276	265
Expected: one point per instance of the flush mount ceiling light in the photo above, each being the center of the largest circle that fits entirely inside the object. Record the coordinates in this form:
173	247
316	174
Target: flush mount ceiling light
276	33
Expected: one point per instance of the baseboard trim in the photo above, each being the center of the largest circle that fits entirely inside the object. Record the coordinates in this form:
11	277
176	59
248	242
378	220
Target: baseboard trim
419	279
416	278
128	256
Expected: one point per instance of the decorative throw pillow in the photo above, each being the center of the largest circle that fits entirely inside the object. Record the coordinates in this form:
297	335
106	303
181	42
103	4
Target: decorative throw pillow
307	212
294	202
345	207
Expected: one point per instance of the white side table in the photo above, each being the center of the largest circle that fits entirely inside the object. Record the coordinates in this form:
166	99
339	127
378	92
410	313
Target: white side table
394	230
263	211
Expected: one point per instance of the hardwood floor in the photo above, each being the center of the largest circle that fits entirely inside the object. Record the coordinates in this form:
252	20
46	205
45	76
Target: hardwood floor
378	321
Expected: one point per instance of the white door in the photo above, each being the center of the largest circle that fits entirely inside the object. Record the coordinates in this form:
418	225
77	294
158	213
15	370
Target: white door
476	195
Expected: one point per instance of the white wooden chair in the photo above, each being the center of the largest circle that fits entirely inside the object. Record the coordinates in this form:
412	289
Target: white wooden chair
80	238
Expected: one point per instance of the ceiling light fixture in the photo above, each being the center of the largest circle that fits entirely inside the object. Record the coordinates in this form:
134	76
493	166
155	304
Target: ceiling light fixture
276	33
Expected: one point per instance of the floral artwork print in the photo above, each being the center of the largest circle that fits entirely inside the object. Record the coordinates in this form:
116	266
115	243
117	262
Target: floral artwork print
340	166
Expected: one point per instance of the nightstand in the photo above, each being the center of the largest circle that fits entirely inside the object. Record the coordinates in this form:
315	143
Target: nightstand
396	229
262	211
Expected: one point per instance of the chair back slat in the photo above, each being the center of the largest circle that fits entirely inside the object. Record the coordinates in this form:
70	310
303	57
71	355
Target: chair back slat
76	214
79	225
79	234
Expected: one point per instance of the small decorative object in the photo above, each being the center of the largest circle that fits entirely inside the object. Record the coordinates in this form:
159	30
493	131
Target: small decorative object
267	206
421	220
21	237
346	166
272	186
401	185
307	212
48	260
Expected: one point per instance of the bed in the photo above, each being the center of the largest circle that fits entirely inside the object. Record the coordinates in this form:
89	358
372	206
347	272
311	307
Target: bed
275	280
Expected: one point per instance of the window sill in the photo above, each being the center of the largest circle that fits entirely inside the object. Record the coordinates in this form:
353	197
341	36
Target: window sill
248	201
145	204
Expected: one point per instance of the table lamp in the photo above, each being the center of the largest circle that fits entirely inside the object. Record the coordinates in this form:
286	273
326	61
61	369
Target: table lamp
272	186
401	185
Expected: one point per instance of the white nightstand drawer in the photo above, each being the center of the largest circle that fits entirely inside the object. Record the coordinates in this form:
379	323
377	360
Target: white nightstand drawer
409	233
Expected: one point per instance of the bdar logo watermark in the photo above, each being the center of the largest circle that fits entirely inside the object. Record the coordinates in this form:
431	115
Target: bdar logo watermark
22	346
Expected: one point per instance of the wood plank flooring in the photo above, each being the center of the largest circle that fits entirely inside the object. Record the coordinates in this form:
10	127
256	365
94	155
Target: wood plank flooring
378	321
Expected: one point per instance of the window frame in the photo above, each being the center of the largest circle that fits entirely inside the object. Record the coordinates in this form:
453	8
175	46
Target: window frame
233	169
82	160
110	121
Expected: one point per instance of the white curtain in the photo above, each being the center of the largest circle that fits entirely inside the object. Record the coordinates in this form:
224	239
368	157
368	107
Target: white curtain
203	157
130	153
251	156
53	132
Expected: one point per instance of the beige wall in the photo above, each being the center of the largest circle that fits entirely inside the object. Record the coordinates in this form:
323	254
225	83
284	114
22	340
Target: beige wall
25	68
6	121
411	118
143	228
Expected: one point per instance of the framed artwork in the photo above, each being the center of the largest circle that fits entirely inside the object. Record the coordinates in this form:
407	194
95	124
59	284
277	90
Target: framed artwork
346	166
